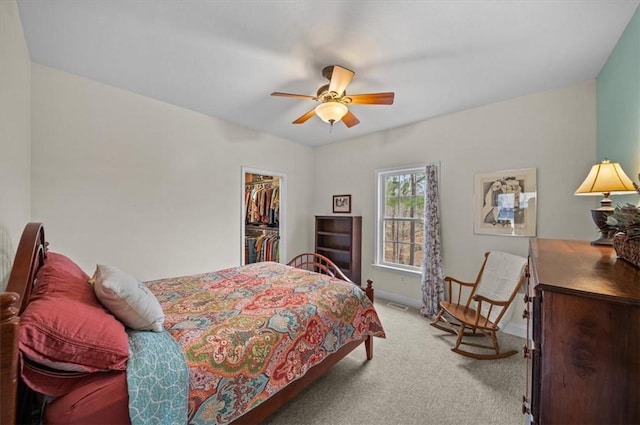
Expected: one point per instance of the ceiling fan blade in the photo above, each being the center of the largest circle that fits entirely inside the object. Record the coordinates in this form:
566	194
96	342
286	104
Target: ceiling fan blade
340	79
300	96
350	120
305	117
372	98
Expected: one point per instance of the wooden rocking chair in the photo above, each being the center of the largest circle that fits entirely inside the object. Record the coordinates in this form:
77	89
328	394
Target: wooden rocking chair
498	281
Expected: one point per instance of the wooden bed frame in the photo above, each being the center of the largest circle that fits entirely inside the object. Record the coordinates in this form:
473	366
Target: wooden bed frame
30	256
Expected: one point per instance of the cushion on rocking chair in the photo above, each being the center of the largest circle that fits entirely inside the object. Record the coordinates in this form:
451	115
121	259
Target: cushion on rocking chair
500	273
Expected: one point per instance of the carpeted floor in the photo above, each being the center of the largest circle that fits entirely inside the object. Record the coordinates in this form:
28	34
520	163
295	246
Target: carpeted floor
413	378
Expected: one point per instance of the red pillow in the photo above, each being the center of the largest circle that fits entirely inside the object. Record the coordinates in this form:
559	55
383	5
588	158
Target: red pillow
65	327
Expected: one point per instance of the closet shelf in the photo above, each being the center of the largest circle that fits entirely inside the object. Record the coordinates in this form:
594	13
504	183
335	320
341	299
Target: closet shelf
339	251
258	227
334	234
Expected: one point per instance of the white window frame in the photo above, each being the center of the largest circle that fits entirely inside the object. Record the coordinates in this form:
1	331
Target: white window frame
381	175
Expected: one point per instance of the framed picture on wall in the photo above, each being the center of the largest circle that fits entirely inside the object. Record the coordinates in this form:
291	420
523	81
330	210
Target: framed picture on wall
342	204
505	203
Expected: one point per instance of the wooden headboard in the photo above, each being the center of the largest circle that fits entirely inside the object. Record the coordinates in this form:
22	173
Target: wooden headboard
30	256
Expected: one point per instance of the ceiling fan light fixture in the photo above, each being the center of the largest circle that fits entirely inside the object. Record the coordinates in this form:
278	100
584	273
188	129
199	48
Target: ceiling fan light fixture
331	112
333	99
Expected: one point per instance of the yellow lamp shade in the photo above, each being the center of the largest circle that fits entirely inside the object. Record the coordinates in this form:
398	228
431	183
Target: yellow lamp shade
606	177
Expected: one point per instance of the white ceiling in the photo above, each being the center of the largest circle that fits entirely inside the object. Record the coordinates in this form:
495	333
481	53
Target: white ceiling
224	58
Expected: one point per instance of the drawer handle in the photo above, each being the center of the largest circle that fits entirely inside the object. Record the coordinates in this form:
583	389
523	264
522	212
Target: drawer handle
525	406
528	352
525	314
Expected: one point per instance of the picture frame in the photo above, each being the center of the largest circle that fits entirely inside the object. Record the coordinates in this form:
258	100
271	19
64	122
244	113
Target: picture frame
505	203
342	204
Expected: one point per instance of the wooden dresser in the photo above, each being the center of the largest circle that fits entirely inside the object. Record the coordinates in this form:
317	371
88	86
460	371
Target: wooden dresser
583	343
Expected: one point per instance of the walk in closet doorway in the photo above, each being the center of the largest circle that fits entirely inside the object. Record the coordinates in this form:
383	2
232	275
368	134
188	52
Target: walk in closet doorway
263	216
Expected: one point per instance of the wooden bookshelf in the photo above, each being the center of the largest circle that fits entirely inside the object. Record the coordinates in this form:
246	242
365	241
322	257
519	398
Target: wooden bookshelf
339	238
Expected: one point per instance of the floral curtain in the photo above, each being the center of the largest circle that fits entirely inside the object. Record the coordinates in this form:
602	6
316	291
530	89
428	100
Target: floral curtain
432	279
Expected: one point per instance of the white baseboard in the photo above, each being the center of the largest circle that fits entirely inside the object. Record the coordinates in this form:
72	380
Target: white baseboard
516	329
399	299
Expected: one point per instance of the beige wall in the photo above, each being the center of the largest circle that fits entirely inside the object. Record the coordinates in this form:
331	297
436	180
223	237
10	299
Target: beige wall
553	132
15	135
149	187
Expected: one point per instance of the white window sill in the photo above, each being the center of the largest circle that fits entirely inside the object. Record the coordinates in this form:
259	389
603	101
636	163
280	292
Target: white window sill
398	269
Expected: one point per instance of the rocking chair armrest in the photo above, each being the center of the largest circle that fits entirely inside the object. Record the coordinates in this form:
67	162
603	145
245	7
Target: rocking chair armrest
450	279
457	296
480	298
482	317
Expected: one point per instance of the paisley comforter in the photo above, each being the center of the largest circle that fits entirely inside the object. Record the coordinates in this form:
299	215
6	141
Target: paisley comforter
249	331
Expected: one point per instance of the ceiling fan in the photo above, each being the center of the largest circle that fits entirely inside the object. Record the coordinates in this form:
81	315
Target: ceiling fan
334	99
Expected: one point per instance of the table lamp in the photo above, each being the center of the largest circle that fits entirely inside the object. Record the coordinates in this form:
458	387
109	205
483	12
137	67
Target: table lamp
606	178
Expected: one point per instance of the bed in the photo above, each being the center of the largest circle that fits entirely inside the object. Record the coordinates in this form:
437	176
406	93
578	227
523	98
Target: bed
274	330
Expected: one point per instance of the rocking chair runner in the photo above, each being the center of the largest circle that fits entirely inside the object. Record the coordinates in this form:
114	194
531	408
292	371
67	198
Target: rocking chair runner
498	281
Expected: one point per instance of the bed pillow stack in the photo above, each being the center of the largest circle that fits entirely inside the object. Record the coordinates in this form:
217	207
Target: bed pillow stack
128	299
67	330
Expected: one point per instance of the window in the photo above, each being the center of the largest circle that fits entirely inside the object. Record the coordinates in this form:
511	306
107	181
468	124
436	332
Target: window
400	217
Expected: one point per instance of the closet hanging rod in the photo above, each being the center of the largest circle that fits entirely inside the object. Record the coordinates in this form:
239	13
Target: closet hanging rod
256	237
264	182
257	227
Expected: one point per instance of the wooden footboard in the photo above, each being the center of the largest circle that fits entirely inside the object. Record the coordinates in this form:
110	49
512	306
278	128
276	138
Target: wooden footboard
319	264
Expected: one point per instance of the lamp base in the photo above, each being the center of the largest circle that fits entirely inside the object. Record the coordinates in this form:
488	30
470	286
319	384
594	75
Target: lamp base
603	240
599	217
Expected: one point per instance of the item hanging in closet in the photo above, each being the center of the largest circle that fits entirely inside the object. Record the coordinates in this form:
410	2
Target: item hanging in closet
262	205
261	248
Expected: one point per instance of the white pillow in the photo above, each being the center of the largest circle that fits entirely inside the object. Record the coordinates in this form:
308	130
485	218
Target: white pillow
127	299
